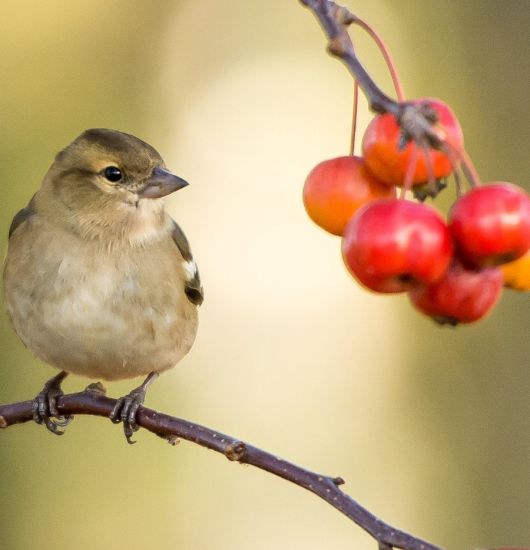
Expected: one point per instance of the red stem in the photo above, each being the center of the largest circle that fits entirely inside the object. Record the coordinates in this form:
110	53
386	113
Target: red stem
469	170
386	54
354	117
409	176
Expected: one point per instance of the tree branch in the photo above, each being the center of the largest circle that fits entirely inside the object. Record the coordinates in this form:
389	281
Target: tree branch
335	20
416	120
93	401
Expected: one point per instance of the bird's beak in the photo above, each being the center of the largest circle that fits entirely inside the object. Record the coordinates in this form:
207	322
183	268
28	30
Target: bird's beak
160	183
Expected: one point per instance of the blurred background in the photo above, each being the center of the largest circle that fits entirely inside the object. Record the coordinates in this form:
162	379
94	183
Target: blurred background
429	426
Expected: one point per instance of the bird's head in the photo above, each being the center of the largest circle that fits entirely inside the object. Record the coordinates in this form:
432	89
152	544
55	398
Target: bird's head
117	164
108	178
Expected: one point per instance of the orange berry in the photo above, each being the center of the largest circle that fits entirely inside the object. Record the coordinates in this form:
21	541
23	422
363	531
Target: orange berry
388	159
517	273
335	189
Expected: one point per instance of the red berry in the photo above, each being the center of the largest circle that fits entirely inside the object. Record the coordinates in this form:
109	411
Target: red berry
392	245
388	160
335	189
461	296
491	225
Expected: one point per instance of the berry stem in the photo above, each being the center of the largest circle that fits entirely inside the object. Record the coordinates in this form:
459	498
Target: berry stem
469	170
354	116
458	183
449	151
409	176
386	54
431	179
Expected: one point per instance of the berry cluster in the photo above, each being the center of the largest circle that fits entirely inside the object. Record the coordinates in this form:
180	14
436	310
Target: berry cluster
454	271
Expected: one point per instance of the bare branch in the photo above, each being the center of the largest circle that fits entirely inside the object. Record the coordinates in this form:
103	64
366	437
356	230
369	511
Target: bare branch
335	20
93	401
416	120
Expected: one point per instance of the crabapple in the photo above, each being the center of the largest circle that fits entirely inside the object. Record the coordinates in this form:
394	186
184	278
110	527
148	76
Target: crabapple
335	189
388	156
391	245
461	296
490	225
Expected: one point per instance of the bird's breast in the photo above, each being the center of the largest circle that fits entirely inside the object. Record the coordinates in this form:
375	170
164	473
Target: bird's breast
109	313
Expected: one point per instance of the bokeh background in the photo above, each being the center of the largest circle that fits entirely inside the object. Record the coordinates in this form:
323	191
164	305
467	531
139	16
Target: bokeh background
430	427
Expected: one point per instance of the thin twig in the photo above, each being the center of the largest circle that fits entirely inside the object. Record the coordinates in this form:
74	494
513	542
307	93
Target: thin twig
335	20
95	403
416	120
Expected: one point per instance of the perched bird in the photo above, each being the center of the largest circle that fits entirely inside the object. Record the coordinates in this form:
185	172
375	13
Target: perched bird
99	281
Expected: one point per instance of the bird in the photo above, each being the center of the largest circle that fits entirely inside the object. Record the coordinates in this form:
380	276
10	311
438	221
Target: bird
99	280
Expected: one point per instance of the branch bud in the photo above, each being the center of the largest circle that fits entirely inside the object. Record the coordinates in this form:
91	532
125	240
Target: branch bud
236	451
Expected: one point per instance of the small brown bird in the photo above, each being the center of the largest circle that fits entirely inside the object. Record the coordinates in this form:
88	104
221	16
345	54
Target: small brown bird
99	281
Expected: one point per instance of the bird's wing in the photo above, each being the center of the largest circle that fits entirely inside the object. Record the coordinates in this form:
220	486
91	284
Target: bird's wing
192	287
21	216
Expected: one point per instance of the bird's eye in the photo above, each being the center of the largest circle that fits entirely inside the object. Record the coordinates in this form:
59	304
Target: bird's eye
113	173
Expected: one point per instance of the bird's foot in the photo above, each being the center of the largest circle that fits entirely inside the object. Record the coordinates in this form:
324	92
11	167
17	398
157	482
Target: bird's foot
45	406
125	411
126	408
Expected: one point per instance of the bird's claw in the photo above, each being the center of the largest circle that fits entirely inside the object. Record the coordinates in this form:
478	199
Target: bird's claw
125	411
45	407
